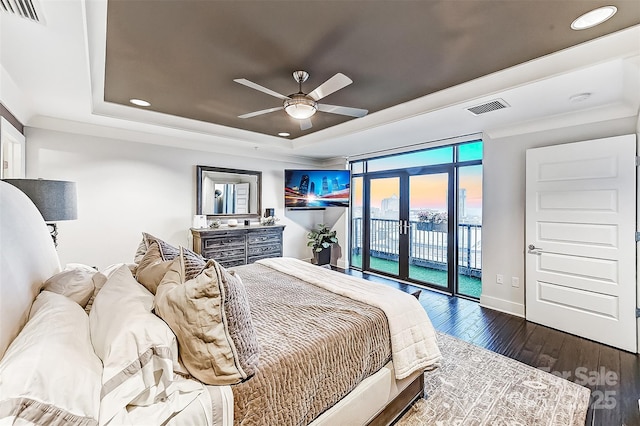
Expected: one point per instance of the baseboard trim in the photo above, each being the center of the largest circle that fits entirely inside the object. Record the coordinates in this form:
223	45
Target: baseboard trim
502	305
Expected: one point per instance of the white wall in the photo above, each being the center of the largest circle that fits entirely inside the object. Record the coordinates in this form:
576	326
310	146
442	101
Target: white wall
125	188
638	230
503	227
337	218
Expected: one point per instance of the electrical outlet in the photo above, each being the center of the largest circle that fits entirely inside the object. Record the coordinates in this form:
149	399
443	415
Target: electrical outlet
515	282
500	279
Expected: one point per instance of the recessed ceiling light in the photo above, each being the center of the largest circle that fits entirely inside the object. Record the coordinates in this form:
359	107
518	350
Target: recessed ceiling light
284	134
593	18
580	97
140	102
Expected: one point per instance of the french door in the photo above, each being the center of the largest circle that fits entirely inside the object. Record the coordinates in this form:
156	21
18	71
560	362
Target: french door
409	224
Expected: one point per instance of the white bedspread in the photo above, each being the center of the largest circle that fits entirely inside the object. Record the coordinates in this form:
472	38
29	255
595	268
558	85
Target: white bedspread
413	340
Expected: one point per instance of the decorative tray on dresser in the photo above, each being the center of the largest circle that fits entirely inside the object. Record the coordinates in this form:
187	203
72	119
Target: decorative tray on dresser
239	245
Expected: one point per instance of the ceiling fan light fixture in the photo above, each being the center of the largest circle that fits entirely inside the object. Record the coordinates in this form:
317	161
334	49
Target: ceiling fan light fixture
300	106
594	17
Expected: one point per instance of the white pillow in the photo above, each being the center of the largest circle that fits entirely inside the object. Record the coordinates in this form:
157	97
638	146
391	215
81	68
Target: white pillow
98	281
74	282
70	266
139	351
50	374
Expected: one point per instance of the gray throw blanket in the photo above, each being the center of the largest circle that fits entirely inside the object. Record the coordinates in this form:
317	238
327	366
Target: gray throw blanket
315	347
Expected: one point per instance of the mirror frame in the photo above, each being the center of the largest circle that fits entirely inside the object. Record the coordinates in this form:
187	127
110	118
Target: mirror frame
200	170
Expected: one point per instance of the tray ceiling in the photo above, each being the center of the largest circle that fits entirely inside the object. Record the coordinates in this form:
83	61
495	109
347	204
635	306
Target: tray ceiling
182	56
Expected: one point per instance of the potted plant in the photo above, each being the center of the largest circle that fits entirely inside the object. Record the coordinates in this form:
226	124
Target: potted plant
320	240
424	221
429	220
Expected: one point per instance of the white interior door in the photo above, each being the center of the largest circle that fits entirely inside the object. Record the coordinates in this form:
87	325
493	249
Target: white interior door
12	151
580	236
242	198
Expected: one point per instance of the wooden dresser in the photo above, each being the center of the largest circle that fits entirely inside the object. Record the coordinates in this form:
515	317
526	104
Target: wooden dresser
233	246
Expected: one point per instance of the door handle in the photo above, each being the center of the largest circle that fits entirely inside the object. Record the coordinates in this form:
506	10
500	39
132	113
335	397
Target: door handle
531	249
403	227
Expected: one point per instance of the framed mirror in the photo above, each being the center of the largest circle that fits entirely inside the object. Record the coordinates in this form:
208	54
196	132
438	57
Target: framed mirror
229	193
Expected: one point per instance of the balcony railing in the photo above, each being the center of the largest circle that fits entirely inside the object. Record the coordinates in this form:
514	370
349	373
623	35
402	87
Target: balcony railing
427	244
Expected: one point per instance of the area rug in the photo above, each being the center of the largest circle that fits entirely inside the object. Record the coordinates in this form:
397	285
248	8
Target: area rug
475	386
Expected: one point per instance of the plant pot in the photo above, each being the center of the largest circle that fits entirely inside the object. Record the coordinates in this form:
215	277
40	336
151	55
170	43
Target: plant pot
424	226
323	257
441	227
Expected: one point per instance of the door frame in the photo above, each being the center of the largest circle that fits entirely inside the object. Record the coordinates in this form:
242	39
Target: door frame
404	240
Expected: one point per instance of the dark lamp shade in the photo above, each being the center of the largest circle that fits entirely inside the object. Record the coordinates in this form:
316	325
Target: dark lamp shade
56	199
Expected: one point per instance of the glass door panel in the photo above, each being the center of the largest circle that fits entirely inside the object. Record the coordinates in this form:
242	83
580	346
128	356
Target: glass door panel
357	202
470	231
384	219
429	220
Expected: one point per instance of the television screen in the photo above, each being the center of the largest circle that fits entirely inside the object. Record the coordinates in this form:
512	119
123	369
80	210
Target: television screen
316	188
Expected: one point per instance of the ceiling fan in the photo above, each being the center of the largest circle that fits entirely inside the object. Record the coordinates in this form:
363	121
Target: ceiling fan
303	105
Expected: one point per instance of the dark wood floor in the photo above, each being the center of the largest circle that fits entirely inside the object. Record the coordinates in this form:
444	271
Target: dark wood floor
612	375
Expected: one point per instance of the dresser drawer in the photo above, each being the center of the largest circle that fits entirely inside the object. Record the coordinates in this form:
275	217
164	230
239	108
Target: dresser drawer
224	241
264	249
223	253
265	237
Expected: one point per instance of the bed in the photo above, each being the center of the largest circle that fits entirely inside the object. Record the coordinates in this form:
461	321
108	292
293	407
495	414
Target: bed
327	348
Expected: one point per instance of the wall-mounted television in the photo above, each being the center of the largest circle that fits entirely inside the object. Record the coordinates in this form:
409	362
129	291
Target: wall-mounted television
316	188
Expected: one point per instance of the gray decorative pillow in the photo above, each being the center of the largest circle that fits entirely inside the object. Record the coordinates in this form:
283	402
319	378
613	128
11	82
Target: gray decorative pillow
154	256
211	319
193	263
168	251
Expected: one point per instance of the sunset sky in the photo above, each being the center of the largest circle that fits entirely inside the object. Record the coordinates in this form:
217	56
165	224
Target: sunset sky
426	191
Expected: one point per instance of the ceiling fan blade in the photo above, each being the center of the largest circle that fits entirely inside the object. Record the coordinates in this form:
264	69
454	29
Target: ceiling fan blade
264	111
263	89
334	84
305	124
343	110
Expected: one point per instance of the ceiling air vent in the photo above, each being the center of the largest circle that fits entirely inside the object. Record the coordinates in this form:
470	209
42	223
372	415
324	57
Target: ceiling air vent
493	105
28	9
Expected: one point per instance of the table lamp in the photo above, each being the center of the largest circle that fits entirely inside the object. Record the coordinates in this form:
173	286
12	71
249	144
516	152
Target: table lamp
55	199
